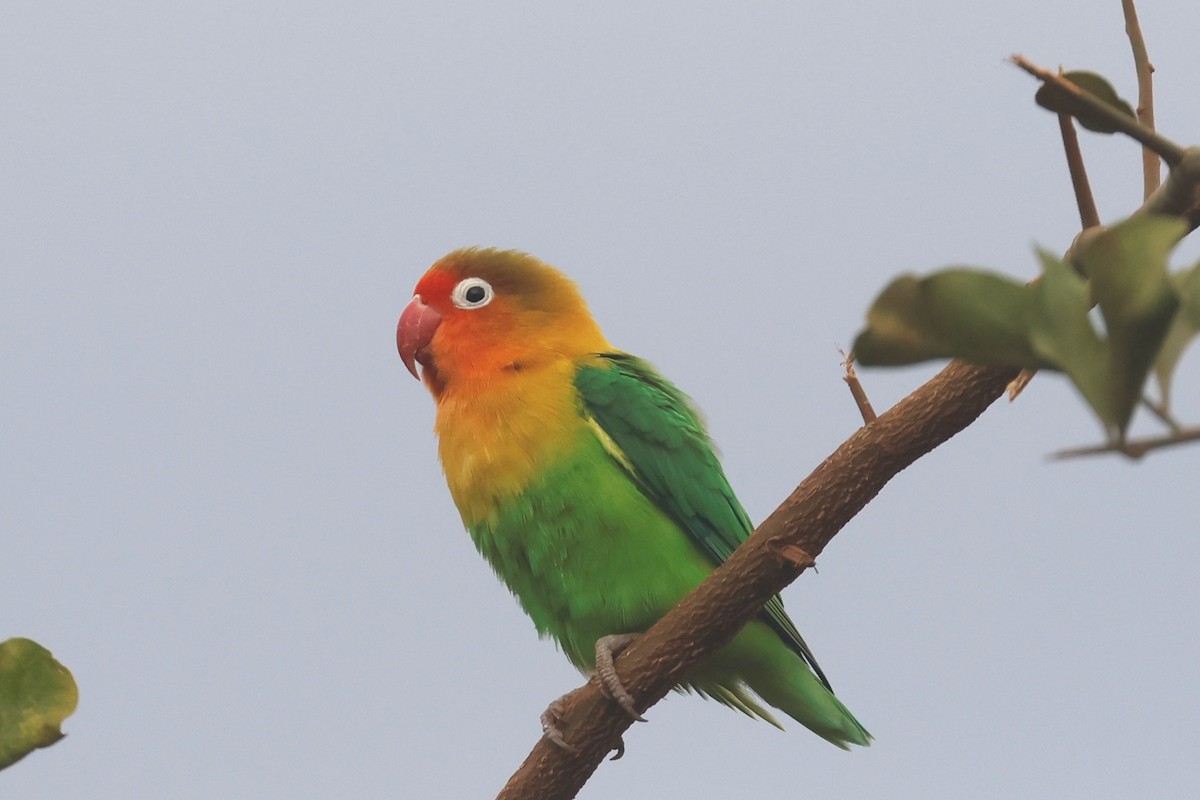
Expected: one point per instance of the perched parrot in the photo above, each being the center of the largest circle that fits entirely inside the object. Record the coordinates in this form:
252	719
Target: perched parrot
588	481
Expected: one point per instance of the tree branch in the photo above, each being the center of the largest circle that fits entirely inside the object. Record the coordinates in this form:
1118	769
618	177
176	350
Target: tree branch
1180	195
1089	217
1132	449
775	555
1166	149
1151	171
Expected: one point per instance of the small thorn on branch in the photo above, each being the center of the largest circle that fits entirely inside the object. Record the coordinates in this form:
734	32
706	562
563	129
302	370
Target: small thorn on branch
1019	383
857	390
794	556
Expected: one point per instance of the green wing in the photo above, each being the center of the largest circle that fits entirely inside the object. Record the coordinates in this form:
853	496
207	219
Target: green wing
661	442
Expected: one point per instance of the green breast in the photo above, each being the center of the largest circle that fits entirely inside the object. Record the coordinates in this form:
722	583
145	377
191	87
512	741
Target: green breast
586	553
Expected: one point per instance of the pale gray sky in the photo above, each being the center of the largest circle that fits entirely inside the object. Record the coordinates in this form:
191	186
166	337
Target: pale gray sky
221	505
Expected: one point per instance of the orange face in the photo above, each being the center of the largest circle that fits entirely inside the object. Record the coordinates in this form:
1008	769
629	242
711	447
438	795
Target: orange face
480	314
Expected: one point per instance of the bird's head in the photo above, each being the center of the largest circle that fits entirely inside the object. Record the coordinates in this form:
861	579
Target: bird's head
479	314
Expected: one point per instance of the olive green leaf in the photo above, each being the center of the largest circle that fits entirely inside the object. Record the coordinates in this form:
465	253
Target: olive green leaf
1060	101
977	316
1061	333
1183	329
1127	265
988	319
36	694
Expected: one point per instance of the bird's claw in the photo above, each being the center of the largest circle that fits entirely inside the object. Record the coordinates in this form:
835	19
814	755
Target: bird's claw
553	715
607	648
550	719
620	748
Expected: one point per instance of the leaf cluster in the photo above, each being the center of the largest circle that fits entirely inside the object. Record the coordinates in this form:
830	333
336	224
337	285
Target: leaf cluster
1148	316
1108	314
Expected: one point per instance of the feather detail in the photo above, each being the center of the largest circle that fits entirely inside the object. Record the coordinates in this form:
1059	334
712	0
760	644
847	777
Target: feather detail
663	445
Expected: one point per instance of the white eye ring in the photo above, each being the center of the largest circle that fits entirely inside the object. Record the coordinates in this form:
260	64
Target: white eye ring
472	293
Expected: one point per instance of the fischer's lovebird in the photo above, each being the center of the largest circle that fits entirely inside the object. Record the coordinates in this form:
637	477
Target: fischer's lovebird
588	481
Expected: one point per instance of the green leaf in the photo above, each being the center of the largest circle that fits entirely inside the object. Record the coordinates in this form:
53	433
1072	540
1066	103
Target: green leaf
988	319
1059	101
36	694
1061	333
1183	329
1127	265
977	316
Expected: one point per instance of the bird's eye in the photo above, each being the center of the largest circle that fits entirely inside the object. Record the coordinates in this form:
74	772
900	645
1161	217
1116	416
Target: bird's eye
472	293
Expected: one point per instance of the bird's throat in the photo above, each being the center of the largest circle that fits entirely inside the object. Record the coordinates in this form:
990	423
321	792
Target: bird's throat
497	438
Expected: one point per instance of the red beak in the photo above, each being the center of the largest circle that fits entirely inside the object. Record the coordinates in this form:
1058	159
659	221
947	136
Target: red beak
414	332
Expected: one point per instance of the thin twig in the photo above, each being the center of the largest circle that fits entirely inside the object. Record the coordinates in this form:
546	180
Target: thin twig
857	391
1133	450
1151	169
1168	150
1179	196
1089	217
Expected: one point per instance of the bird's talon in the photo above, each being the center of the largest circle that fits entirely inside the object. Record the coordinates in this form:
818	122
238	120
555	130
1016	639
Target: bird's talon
607	648
626	703
550	719
620	748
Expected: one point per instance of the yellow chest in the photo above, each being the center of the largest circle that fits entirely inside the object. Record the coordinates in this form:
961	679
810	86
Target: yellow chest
494	439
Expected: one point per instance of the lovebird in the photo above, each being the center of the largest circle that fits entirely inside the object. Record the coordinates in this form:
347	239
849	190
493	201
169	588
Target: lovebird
588	481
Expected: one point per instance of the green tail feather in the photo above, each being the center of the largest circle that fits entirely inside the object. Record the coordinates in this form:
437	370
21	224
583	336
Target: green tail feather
802	697
758	660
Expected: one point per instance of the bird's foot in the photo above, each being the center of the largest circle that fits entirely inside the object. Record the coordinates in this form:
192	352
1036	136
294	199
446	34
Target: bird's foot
550	719
551	730
608	648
